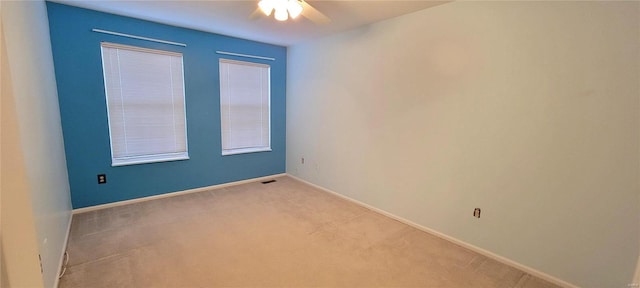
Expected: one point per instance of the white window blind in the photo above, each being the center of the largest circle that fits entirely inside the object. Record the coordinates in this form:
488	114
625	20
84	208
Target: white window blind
245	107
145	103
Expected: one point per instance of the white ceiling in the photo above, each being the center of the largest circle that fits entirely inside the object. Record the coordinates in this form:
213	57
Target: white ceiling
231	17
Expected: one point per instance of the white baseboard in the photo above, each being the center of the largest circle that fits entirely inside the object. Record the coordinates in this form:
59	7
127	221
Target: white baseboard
64	250
172	194
471	247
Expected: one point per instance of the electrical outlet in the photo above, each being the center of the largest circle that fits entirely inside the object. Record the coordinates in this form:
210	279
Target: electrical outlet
102	178
302	160
476	213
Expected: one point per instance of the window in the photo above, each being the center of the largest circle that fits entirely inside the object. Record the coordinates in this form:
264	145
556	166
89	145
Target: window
245	107
145	103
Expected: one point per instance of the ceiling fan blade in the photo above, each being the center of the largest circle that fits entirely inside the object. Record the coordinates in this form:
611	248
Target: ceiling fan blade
313	14
256	14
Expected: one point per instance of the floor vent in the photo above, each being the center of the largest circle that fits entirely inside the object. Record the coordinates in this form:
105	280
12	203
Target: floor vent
267	182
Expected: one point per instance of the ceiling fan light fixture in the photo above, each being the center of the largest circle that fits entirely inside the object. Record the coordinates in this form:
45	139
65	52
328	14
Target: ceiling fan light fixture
295	8
267	6
281	14
283	8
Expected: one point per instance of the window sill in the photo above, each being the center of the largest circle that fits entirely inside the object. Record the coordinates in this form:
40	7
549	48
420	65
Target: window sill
149	159
245	150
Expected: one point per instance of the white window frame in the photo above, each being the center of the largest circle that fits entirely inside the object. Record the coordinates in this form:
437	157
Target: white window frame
242	150
144	158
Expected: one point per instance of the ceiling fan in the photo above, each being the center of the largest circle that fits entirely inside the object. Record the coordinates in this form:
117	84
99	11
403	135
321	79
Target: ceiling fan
285	9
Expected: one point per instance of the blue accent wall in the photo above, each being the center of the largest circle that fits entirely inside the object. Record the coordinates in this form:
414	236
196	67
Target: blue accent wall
78	69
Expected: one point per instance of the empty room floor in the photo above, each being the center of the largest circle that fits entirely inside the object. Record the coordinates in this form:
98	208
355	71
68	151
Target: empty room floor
282	234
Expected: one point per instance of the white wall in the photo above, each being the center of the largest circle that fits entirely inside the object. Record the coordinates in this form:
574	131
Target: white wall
35	188
528	110
19	248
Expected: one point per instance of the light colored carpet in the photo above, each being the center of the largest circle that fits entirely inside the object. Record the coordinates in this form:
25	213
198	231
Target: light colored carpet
283	234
